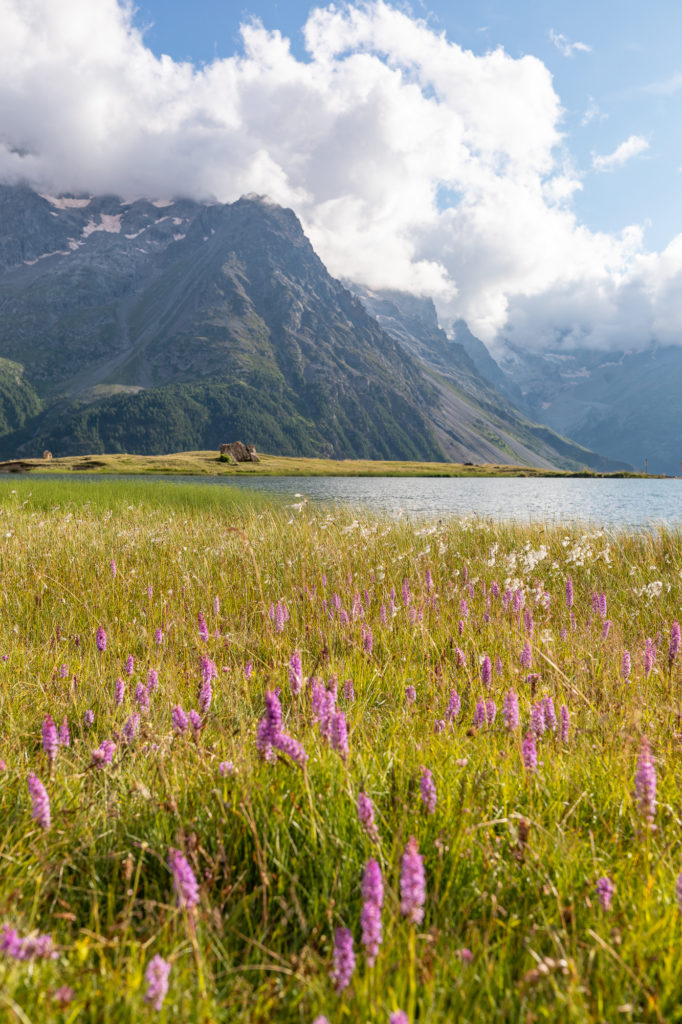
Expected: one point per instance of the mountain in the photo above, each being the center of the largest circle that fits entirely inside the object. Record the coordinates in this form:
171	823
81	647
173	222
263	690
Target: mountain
469	412
159	325
626	404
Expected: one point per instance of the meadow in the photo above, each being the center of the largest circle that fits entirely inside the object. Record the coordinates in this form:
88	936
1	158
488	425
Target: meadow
263	762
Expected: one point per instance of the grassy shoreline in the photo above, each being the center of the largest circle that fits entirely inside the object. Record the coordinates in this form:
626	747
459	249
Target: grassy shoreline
514	848
209	464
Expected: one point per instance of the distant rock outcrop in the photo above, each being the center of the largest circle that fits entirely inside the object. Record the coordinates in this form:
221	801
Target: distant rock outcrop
239	451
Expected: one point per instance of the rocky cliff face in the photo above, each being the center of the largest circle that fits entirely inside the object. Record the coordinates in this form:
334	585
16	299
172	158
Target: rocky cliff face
627	405
470	414
152	326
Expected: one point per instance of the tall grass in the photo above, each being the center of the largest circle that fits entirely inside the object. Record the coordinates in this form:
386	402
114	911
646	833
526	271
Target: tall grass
513	928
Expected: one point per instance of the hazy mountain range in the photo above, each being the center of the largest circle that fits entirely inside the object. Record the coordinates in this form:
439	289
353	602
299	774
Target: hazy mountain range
154	326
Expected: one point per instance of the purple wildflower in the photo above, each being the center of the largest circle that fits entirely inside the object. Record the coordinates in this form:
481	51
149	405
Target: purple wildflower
410	694
605	629
184	882
398	1017
112	568
373	896
427	788
142	697
486	671
412	883
439	725
205	696
41	801
454	706
537	718
280	618
349	691
291	747
678	890
338	734
674	646
626	666
295	673
273	712
119	692
153	679
216	605
645	782
104	753
130	665
464	955
529	753
195	720
565	719
367	639
528	622
156	977
344	959
366	816
64	672
64	734
569	592
50	738
89	718
490	712
602	605
179	719
29	947
203	628
649	656
158	637
510	710
549	712
526	658
226	768
479	714
130	728
101	639
605	891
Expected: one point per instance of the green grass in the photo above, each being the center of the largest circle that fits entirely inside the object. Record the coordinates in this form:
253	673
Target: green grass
511	856
209	463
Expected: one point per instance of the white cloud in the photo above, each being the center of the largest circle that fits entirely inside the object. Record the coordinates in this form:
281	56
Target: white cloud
363	139
565	47
632	146
592	113
665	87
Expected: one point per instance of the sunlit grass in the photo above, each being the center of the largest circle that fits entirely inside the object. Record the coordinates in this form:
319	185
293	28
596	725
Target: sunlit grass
511	857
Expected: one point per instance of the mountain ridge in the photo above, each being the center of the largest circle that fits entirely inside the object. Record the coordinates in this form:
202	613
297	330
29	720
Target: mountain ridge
165	324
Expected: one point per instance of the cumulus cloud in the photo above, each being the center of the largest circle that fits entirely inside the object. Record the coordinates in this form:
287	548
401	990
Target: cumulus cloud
632	146
412	162
565	47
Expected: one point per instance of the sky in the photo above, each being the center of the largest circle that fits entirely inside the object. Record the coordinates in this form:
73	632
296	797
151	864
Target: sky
519	162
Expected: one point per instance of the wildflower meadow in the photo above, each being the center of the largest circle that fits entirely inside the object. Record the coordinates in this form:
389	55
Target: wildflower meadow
280	763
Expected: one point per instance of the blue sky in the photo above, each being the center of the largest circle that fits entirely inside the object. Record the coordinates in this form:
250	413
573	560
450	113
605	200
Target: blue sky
518	162
628	83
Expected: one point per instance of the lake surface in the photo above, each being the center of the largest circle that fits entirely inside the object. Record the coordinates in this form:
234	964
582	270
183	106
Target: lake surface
637	503
607	502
